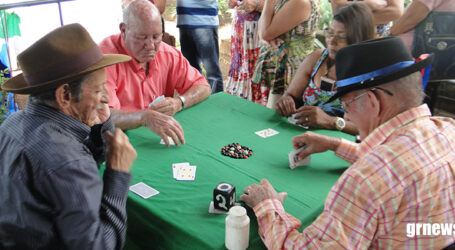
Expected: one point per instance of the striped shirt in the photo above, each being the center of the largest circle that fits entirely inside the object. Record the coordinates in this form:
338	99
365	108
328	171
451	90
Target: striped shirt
403	174
197	14
51	194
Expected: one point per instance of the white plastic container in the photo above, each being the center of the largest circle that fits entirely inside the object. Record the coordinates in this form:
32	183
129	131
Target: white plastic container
237	229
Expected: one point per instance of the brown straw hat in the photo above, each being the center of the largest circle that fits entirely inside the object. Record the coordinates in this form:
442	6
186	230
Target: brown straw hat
61	56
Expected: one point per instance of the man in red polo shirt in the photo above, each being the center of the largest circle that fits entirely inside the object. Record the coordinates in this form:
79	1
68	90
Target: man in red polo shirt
156	69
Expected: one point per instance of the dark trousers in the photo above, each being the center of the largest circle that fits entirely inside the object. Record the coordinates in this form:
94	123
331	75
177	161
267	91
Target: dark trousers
201	45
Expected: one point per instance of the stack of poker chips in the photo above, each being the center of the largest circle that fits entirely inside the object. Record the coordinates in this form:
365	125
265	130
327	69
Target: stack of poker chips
237	151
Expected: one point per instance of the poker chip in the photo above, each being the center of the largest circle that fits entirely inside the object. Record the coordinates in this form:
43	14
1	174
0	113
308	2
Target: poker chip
237	151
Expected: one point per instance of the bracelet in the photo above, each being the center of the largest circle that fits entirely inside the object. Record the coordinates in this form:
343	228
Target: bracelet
182	99
257	5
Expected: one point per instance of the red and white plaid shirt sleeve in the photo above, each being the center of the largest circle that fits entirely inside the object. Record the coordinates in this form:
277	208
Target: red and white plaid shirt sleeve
348	151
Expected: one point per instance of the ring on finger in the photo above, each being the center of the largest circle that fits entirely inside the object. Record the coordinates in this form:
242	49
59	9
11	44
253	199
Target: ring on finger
307	119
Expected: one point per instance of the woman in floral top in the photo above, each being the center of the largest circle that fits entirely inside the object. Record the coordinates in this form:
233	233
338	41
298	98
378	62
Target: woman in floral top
314	82
289	27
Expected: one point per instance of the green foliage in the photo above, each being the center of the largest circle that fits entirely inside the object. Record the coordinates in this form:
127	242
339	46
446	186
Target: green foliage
222	6
224	12
325	14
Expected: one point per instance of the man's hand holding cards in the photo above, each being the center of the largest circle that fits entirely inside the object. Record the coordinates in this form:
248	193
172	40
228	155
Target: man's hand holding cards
294	159
157	100
171	141
166	105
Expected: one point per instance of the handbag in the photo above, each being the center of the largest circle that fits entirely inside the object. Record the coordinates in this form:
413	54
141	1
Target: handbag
436	34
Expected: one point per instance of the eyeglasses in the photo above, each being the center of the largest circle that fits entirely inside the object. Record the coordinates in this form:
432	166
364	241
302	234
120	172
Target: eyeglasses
330	35
346	103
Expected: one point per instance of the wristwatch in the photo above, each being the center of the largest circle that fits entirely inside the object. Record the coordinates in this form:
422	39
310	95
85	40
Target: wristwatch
183	101
340	123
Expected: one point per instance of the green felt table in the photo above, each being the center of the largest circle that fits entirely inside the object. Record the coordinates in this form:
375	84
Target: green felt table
178	218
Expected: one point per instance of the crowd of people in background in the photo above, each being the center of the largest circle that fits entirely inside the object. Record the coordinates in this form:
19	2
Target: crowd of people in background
273	43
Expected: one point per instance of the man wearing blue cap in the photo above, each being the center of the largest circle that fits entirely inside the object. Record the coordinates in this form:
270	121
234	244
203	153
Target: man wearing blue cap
399	191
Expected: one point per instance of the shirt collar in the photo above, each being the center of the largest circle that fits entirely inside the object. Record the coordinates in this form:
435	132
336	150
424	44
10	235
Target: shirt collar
63	121
133	63
385	130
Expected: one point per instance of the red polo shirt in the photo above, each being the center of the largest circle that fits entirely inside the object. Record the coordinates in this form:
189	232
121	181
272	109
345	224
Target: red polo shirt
130	89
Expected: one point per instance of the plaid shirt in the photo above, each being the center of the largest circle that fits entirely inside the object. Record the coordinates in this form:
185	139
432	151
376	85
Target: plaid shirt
403	173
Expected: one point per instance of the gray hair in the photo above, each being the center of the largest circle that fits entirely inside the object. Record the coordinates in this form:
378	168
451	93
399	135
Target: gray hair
407	91
47	97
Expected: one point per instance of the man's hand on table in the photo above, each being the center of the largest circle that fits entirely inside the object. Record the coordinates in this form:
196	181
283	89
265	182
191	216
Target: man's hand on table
254	194
314	143
168	106
164	126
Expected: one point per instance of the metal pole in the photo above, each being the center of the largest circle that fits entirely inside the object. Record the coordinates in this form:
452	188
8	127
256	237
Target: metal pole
29	3
60	12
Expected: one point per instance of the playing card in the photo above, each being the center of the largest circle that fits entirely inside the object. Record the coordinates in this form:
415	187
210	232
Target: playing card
267	132
157	100
171	141
186	173
176	167
294	121
143	190
293	160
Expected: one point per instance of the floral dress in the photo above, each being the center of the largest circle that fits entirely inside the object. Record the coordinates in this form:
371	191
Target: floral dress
244	53
315	96
274	70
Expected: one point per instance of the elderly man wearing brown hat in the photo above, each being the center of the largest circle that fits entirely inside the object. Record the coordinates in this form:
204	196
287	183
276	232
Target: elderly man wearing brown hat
399	191
51	194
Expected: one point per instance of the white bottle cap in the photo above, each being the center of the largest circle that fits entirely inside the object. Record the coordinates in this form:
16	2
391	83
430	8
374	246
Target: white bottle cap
237	211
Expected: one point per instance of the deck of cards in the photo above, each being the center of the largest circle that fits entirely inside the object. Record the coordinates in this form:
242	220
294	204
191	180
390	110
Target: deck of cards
183	171
267	133
293	159
157	100
294	121
143	190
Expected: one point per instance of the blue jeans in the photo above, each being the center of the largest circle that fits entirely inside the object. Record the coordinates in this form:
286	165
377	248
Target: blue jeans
201	45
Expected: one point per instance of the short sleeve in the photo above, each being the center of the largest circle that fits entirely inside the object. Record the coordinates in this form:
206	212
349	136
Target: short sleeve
111	85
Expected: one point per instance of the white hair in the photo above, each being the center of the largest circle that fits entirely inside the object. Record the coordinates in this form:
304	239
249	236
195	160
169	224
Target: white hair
407	91
139	9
